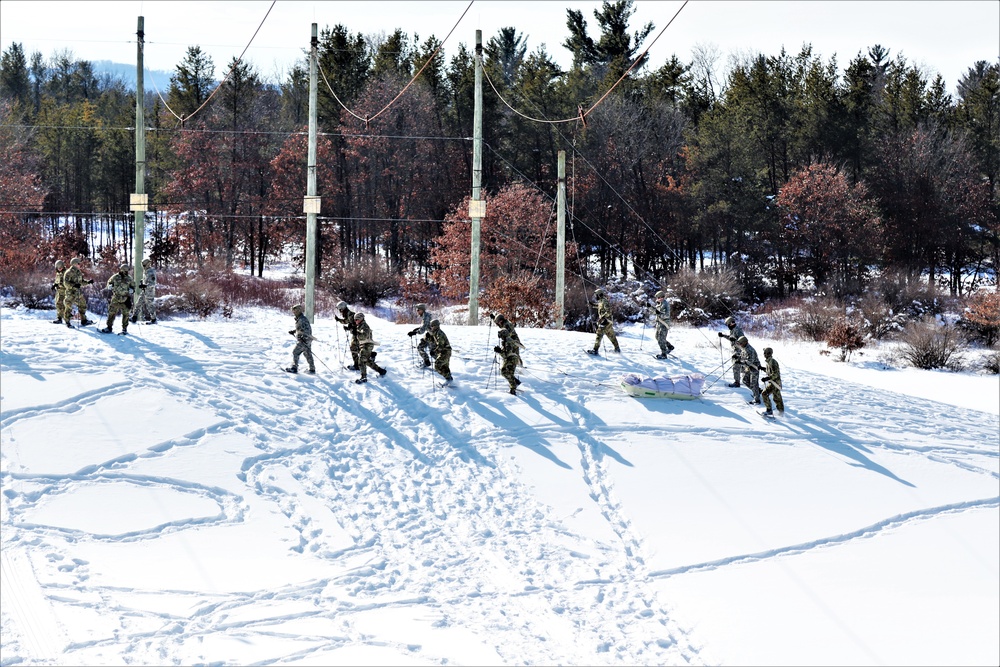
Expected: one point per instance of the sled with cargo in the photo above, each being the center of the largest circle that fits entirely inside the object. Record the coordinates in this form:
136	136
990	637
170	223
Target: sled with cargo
680	387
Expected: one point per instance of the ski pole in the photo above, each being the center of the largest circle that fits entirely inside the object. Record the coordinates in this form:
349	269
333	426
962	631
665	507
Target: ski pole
493	367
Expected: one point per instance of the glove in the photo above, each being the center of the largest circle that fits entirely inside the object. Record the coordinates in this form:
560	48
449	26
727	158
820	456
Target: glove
498	349
736	357
88	282
722	335
413	333
292	331
53	287
142	285
765	378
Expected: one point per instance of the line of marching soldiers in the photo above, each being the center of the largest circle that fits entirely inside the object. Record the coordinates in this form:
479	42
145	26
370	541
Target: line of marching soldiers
433	343
68	286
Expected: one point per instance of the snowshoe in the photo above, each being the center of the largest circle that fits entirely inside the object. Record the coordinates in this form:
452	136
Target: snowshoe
734	385
311	371
58	320
151	321
352	367
593	352
382	372
84	322
660	356
361	381
105	330
133	319
123	332
291	369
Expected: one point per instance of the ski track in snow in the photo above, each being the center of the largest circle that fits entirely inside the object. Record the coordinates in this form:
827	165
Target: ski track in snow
383	461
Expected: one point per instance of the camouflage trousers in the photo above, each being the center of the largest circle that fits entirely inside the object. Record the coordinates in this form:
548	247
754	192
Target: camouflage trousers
61	304
772	390
606	330
116	308
303	348
425	346
507	370
145	304
365	361
442	363
74	297
751	379
661	339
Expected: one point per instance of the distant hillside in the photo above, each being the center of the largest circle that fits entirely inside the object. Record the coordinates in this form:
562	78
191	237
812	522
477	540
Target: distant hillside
126	72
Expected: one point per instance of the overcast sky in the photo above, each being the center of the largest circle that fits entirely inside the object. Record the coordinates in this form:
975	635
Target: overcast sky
942	37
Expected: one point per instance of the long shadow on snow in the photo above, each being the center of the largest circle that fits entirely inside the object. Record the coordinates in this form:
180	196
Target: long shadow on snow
19	364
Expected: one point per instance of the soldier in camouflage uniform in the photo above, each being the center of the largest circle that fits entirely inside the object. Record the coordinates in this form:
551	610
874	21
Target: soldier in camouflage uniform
507	325
122	287
605	321
735	332
751	363
661	311
426	342
145	303
772	383
60	289
366	347
303	340
347	318
440	348
508	351
74	281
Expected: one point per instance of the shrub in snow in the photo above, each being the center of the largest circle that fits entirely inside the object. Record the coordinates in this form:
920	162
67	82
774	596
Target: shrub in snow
927	344
815	318
364	283
847	336
702	296
981	318
520	297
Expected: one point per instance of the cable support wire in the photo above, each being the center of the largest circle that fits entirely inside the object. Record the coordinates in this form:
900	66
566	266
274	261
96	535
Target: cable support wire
582	115
222	83
368	119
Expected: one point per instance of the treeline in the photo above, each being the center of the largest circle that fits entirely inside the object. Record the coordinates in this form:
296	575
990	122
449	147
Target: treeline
785	169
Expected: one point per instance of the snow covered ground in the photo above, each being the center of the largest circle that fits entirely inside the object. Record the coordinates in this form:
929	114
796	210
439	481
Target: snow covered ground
172	497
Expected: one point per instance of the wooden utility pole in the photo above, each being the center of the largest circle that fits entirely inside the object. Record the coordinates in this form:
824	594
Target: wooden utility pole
139	201
477	208
561	242
311	204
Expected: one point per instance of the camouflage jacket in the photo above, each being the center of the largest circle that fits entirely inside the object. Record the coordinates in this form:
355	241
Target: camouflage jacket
748	357
734	335
73	278
349	325
438	340
661	313
149	278
303	330
509	347
363	333
425	325
122	286
772	371
604	311
60	277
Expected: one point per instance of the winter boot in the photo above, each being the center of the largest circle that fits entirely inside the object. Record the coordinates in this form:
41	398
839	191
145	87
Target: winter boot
661	355
733	384
352	367
152	320
513	391
311	371
427	363
58	320
361	380
84	321
618	350
381	372
133	319
68	324
291	369
593	352
105	330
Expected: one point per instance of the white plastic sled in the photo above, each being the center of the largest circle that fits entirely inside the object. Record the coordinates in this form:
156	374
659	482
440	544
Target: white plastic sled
682	387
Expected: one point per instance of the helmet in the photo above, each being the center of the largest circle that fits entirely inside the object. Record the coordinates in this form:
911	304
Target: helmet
742	340
60	263
768	352
730	322
341	305
435	324
123	268
598	292
297	308
659	295
147	261
359	317
421	307
74	261
500	319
